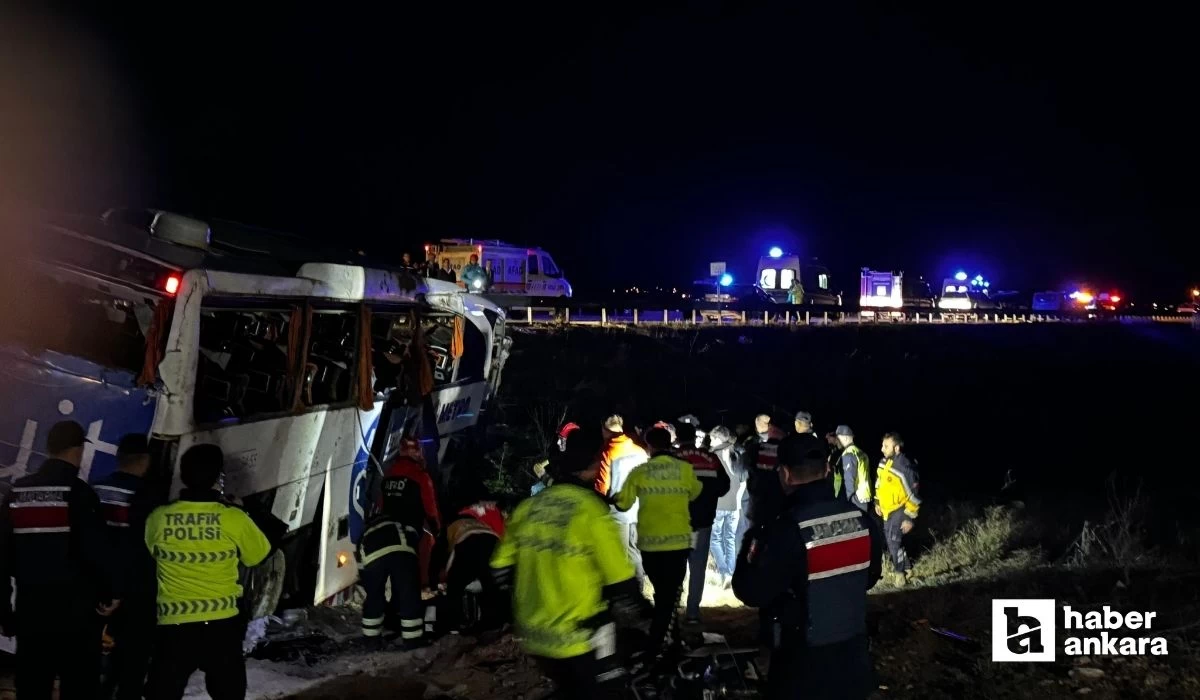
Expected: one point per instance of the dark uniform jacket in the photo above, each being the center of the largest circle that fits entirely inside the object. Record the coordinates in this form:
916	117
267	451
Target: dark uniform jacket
53	542
714	481
811	567
126	501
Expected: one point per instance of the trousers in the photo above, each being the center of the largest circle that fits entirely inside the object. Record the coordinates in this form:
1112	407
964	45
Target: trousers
472	562
579	678
665	571
56	641
840	671
213	648
697	568
133	628
404	609
895	540
724	541
629	539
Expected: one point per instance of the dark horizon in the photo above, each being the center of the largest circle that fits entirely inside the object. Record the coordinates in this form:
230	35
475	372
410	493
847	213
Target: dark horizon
1039	148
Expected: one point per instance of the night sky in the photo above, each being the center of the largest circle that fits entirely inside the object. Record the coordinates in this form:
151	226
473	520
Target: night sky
1038	146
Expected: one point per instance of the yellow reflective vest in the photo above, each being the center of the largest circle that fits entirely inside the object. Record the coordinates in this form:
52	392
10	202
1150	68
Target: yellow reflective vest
664	486
197	545
565	548
861	483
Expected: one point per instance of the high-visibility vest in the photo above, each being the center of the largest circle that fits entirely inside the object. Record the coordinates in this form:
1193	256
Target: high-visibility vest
862	488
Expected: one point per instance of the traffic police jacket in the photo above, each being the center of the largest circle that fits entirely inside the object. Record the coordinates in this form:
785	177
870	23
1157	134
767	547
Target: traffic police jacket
810	568
197	543
665	486
896	487
854	466
565	551
53	540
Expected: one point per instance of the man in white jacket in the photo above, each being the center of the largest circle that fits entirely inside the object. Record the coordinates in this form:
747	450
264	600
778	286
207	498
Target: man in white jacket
724	542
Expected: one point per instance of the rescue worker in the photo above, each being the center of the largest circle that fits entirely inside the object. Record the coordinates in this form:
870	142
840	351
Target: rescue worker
714	481
796	293
664	486
804	423
544	475
724	543
764	432
564	561
197	543
618	458
388	550
809	571
472	539
833	463
855	469
473	275
52	541
896	501
127	498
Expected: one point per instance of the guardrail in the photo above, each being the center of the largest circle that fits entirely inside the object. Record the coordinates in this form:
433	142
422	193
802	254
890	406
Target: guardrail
618	314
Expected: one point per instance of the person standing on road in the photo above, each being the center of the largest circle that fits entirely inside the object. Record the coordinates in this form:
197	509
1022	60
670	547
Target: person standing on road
389	548
808	572
714	481
896	501
855	467
664	486
52	541
724	543
127	498
564	561
618	458
198	542
473	275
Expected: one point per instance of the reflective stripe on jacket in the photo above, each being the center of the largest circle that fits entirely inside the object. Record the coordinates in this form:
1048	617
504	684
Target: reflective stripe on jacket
854	467
896	487
665	486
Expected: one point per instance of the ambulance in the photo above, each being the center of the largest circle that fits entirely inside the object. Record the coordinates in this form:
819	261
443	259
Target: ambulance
777	272
510	269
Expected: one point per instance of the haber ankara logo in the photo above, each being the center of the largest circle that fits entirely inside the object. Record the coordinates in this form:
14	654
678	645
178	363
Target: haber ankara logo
1023	629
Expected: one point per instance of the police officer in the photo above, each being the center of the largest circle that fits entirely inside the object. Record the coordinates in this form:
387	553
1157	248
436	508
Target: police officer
389	548
53	542
127	499
809	571
197	543
563	559
855	468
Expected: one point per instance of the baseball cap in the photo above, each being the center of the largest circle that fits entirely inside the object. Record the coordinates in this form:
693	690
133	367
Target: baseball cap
133	444
64	435
844	430
614	424
804	416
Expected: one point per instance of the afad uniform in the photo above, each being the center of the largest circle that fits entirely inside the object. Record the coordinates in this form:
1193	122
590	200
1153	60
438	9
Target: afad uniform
390	545
565	550
808	572
896	485
197	543
472	539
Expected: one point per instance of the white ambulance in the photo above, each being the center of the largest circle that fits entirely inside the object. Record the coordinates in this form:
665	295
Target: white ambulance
511	269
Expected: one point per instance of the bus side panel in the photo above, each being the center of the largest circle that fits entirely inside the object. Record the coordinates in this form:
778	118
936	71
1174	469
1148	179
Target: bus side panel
298	458
54	387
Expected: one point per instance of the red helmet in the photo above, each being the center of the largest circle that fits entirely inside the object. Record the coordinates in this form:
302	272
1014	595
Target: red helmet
566	430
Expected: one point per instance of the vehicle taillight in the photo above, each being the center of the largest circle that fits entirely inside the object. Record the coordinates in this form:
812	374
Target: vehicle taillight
1115	299
171	284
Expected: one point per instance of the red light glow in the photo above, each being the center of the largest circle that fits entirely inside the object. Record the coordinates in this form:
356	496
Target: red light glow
172	284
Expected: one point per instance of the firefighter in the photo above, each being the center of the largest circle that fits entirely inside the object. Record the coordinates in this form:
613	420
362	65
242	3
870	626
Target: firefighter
197	543
127	498
618	458
52	541
389	548
808	572
855	469
896	501
472	539
564	561
664	486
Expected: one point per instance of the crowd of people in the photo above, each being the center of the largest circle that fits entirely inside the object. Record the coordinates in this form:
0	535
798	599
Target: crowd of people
160	579
793	523
473	276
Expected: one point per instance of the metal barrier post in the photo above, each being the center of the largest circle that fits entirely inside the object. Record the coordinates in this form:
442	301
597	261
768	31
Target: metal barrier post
666	318
743	317
529	314
635	317
567	315
603	316
766	320
693	317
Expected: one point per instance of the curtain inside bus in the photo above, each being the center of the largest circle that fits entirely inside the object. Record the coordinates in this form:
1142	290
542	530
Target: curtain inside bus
366	392
156	341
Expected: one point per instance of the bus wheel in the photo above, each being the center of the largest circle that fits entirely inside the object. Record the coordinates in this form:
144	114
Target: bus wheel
264	586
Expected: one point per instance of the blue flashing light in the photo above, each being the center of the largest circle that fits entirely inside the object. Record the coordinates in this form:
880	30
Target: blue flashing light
776	252
974	283
960	276
726	279
987	284
978	278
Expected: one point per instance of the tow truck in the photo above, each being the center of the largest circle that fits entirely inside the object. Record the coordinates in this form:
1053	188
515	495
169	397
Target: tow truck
778	272
511	269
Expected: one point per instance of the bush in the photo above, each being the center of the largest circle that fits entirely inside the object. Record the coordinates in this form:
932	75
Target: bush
981	545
